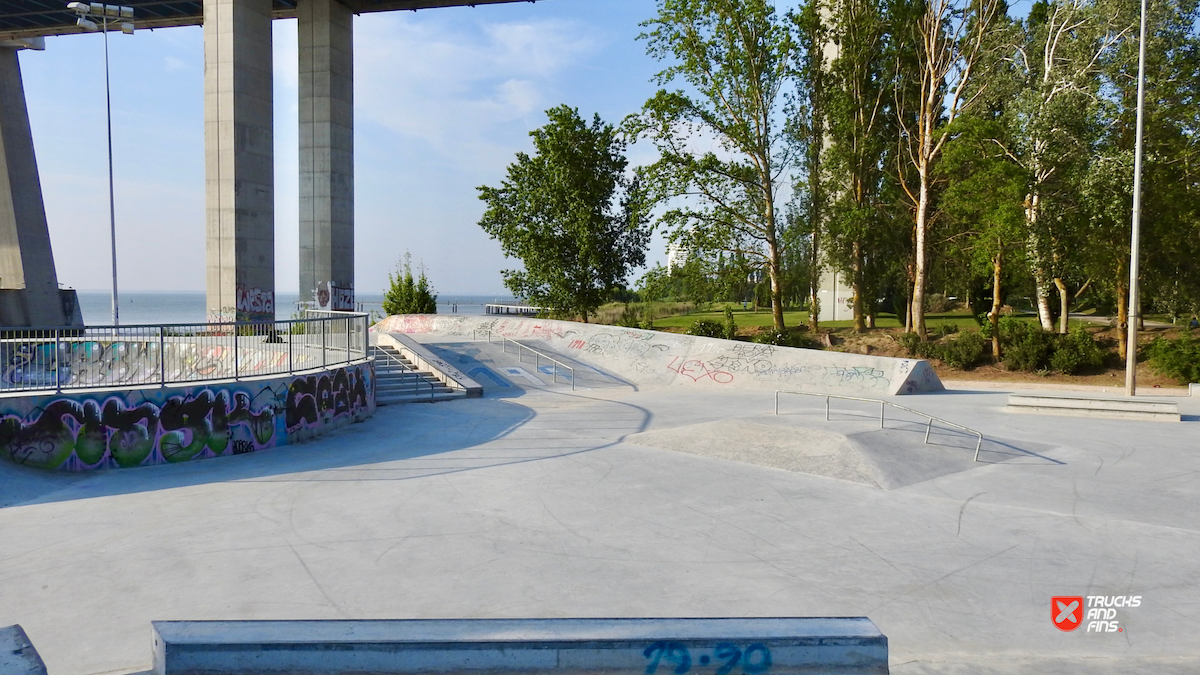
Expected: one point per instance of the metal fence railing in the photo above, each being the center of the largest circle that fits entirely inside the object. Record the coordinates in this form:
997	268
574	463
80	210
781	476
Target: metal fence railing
882	405
57	359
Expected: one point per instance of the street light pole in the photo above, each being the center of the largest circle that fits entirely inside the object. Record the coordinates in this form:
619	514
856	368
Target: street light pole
105	12
112	209
1131	334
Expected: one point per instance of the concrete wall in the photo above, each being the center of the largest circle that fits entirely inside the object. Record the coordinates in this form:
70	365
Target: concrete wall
140	427
647	357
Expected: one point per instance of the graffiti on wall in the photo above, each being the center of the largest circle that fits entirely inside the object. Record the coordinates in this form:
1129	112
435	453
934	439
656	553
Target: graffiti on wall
255	300
160	426
684	359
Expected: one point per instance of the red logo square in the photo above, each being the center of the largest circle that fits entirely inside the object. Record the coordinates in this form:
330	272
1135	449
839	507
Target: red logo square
1066	611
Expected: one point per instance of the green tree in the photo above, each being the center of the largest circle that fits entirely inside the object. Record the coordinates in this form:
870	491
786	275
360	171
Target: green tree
952	40
736	58
983	198
405	295
570	214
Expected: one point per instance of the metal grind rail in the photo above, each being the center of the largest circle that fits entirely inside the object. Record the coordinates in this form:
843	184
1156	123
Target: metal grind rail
419	380
536	359
58	359
882	406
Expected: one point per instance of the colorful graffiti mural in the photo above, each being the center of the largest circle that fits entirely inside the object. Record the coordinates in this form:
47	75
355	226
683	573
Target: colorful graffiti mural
159	426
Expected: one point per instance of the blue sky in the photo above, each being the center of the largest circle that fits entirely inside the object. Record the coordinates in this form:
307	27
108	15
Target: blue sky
443	100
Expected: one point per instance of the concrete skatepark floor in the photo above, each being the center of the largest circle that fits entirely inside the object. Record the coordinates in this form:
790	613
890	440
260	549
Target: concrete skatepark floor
539	501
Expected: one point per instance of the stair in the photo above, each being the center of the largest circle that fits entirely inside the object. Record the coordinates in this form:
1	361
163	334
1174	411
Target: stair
397	381
1162	411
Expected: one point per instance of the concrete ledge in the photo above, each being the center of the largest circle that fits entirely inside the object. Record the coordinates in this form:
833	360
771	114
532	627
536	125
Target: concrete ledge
17	655
644	646
1165	411
1194	389
426	360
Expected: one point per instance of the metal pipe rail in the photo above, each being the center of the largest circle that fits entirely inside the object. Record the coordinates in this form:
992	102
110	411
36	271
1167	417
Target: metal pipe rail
420	380
56	359
882	405
537	355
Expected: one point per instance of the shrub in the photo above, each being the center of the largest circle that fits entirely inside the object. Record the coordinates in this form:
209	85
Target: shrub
1026	346
630	317
784	338
946	328
936	303
1076	351
730	325
1178	358
962	352
910	342
706	328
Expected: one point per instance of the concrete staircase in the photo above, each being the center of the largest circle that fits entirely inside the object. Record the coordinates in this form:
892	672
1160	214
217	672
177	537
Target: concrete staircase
1127	408
397	381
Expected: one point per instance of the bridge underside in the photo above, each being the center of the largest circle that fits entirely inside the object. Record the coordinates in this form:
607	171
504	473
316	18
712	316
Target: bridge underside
239	151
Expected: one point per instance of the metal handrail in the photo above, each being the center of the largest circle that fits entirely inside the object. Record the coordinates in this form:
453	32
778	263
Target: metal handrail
45	371
537	355
882	405
402	364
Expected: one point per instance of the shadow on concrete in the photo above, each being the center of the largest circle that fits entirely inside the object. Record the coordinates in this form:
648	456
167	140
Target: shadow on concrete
355	452
414	430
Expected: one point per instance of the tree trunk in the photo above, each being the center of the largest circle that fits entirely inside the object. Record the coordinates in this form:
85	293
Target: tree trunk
921	275
814	284
856	264
997	303
1041	277
1122	317
1064	304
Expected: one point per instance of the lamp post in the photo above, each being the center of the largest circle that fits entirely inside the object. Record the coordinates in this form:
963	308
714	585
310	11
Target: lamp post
116	13
1131	335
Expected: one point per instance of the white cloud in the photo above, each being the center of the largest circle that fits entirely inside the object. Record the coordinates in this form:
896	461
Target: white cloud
449	83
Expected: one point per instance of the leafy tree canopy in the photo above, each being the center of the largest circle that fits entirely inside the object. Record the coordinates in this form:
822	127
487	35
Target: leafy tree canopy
570	214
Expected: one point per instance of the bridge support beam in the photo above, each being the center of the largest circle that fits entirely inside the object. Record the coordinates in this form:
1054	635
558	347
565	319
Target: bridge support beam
29	294
239	160
326	50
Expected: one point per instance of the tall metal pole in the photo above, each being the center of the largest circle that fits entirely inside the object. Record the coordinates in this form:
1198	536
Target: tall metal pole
1131	336
112	209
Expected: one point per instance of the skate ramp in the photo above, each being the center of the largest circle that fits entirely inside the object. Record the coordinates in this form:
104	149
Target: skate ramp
654	358
883	458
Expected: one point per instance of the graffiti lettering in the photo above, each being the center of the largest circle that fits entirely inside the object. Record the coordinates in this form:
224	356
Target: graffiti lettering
255	300
142	427
698	370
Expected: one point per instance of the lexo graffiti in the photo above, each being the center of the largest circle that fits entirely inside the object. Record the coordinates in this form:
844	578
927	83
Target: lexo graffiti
698	370
143	427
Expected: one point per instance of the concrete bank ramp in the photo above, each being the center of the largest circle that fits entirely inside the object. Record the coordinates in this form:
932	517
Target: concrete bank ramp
884	458
646	357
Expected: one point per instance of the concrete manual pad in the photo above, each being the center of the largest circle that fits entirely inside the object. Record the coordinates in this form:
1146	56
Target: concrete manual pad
531	503
17	654
846	645
821	453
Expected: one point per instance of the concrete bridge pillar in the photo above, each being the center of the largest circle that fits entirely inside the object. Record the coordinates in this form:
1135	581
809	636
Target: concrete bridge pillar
326	45
29	294
239	160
